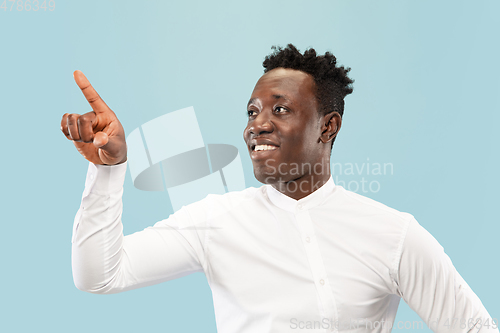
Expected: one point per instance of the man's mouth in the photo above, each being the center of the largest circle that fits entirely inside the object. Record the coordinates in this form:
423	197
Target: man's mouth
264	147
262	151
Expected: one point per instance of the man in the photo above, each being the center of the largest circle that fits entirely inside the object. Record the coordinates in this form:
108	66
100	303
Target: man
297	254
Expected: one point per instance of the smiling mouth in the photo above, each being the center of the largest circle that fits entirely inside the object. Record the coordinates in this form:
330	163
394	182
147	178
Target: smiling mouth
263	147
262	151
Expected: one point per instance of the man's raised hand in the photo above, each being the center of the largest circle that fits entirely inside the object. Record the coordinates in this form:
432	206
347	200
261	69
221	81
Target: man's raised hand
97	135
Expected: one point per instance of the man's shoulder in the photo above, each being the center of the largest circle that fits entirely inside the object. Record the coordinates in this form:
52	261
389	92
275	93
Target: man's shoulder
234	197
366	205
224	203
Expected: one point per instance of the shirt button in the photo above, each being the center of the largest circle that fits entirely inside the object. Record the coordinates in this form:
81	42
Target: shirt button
299	206
322	282
308	239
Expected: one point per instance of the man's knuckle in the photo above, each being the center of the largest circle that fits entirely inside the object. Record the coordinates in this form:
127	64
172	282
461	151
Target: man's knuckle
72	118
86	118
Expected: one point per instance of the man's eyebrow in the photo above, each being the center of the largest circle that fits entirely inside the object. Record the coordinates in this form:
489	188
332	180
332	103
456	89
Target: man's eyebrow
275	96
282	97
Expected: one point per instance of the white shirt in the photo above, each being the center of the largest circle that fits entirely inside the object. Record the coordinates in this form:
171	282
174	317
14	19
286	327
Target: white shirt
332	261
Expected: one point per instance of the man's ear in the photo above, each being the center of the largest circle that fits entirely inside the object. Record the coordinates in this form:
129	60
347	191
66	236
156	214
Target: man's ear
330	126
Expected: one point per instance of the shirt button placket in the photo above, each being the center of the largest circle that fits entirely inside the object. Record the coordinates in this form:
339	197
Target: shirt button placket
306	228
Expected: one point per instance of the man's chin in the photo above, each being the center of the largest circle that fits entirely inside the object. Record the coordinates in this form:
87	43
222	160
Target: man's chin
265	178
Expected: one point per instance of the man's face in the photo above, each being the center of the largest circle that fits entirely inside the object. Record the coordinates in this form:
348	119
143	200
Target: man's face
284	126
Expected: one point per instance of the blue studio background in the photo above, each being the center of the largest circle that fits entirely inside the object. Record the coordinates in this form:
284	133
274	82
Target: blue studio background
425	102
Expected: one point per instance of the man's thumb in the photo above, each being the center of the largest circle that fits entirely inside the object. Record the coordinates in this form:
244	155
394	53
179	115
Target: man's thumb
100	139
112	150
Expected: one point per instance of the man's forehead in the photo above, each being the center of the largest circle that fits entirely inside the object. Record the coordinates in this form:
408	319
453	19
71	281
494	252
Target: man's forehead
283	83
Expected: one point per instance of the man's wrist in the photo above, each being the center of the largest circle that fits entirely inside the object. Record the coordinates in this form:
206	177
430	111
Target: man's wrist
103	178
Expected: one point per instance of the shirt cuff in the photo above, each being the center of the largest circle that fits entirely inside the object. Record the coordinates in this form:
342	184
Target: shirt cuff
104	178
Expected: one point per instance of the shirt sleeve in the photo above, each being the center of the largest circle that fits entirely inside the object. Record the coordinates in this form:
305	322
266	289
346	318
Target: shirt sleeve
431	286
104	261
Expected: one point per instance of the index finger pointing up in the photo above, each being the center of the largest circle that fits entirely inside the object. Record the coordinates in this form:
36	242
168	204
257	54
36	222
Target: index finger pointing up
91	95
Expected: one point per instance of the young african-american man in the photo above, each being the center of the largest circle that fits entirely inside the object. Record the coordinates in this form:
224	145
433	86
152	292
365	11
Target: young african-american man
296	254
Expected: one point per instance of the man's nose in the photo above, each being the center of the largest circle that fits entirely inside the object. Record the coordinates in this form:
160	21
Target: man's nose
261	124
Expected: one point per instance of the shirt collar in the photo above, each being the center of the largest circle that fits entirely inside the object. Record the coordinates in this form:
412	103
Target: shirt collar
312	200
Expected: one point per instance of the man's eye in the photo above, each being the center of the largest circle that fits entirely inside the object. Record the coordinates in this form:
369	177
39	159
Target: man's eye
280	109
251	113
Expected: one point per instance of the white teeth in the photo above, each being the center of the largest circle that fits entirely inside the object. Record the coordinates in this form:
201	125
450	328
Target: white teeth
264	147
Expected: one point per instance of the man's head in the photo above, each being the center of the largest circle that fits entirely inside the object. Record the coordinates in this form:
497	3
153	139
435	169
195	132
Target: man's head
331	82
295	113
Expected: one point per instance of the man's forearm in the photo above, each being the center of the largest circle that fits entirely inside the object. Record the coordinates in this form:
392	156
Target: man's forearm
98	231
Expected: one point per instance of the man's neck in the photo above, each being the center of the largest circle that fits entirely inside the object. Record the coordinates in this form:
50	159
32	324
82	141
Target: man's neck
303	186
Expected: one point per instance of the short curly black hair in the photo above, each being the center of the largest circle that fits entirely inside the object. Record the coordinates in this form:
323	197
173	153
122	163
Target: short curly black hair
332	82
